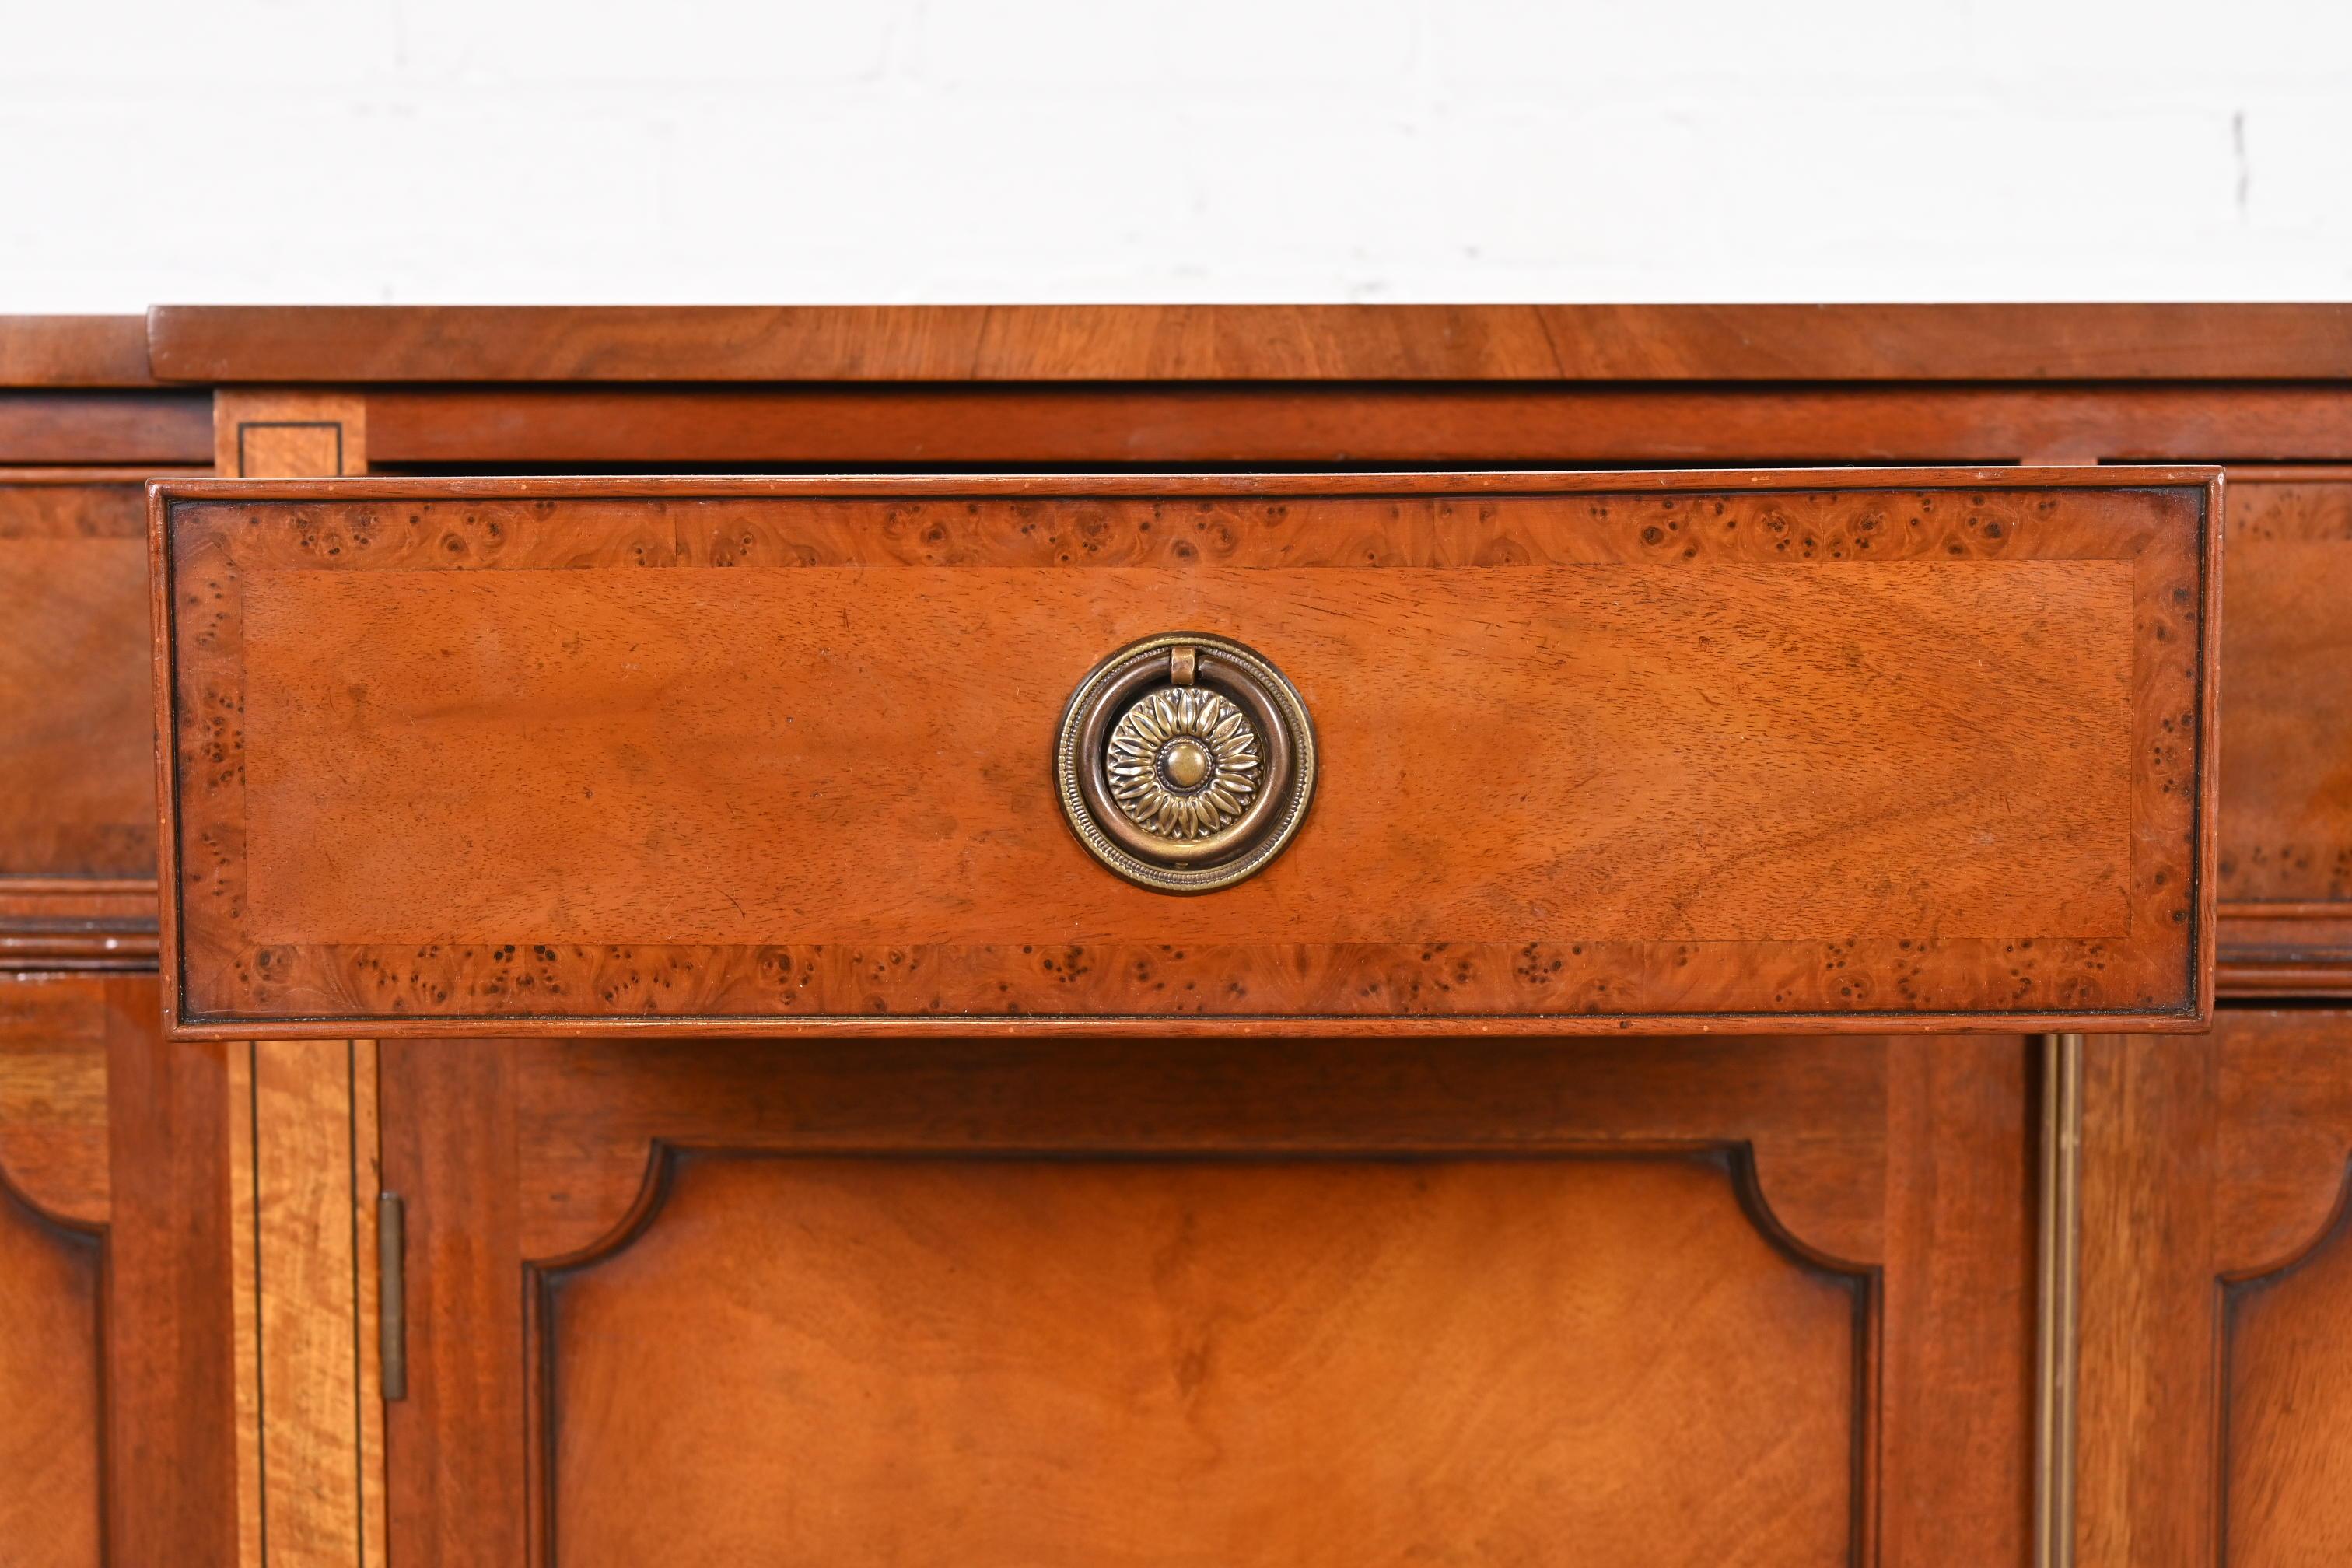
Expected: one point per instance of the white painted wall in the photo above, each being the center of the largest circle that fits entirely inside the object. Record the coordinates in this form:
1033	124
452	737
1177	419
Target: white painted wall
889	150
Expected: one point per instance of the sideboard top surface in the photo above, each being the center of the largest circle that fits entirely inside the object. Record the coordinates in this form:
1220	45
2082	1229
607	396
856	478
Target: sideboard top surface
2028	342
361	345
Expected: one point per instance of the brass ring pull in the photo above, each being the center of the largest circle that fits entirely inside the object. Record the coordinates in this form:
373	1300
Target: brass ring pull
1185	761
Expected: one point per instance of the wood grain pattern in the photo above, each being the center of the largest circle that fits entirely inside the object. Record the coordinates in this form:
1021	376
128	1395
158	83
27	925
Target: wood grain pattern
455	1471
310	1418
55	1202
1226	342
844	425
314	1257
2248	1466
160	428
1959	1265
114	1403
265	433
305	1257
1310	1362
52	1410
1383	1162
74	351
2287	727
2285	868
1739	852
53	1211
2287	1420
1510	657
302	1141
586	1116
171	1428
77	721
2215	1170
53	1048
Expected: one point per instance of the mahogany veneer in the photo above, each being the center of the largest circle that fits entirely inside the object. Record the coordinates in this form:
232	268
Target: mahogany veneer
1737	1299
1760	1298
116	1434
1599	752
2217	1277
1249	342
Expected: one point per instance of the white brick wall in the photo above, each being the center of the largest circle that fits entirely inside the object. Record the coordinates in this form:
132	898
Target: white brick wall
1039	149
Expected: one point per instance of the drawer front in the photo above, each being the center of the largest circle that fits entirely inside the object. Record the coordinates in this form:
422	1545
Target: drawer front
1589	751
76	785
77	722
2285	872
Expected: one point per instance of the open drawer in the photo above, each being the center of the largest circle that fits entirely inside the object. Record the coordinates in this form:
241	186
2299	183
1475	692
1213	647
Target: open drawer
1456	754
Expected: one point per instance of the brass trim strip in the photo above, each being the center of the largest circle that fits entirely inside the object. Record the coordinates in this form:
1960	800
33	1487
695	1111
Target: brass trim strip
2057	1321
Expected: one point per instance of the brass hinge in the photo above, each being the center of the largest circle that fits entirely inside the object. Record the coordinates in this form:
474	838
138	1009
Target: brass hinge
392	1293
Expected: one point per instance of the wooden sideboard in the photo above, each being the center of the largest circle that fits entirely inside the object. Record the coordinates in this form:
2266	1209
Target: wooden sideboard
414	1246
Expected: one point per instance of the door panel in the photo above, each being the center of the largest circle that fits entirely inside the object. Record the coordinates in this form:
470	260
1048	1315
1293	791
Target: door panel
51	1412
54	1208
2217	1295
2286	1375
115	1351
1723	1300
1223	1362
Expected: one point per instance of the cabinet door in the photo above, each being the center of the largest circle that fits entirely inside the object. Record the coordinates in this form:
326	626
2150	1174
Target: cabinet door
1764	1300
2216	1405
116	1439
115	1343
53	1213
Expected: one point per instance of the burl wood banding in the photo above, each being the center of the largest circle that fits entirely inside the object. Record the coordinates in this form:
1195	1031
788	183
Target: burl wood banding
1599	750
